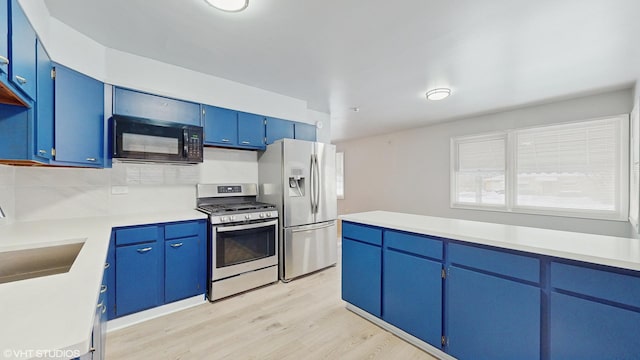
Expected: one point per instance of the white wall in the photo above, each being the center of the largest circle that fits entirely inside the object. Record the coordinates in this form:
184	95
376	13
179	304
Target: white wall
7	194
408	171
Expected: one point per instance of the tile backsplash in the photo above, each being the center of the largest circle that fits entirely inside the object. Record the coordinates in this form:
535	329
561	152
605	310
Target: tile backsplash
38	193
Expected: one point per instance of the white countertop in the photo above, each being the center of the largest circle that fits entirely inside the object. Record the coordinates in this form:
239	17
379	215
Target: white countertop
56	312
597	249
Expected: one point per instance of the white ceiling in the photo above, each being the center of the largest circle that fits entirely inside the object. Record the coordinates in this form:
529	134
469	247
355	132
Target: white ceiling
381	55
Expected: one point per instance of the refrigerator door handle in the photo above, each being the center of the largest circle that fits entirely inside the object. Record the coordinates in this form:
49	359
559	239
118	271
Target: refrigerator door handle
318	185
312	184
314	227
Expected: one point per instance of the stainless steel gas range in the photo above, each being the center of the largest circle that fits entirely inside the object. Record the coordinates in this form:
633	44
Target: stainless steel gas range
243	238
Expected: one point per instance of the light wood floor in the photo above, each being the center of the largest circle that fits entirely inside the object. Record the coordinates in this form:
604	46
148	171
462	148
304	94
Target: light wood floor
304	319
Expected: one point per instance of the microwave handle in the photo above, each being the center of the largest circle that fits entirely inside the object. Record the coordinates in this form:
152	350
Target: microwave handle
185	143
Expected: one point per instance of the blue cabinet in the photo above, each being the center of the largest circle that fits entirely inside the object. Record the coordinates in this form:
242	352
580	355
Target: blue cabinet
251	130
156	264
220	126
23	52
489	317
4	40
412	285
276	129
44	114
362	267
182	270
138	277
137	104
79	118
305	132
110	278
594	313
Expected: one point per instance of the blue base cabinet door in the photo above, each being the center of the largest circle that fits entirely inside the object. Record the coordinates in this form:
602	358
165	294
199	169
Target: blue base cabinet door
489	317
182	268
412	295
139	277
362	275
583	329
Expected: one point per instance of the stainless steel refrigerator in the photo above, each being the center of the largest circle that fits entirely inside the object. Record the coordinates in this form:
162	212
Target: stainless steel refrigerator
299	178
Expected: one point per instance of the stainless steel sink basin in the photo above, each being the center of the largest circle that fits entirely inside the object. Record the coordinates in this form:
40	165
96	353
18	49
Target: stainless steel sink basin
32	263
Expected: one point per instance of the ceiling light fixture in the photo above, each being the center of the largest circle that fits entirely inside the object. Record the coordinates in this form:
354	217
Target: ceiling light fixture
438	94
229	5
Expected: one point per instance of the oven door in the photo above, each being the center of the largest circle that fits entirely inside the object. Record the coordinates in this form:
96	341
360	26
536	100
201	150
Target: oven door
236	249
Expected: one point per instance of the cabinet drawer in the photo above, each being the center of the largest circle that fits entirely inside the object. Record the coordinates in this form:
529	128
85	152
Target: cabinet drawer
412	243
624	289
363	233
498	262
137	235
186	229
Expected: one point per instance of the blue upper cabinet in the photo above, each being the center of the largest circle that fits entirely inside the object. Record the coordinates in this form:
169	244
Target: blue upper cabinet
4	40
23	52
220	126
142	105
305	132
277	129
79	118
250	131
44	107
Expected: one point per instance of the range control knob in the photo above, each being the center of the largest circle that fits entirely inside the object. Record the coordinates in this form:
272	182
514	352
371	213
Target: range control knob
268	214
232	218
262	215
223	219
248	216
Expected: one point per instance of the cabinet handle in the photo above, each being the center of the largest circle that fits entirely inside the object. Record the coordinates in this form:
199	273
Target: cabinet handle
91	159
144	250
225	140
4	60
245	143
104	309
92	349
21	80
176	245
103	289
100	305
42	152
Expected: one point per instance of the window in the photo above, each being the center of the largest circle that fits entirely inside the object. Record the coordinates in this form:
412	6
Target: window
479	173
577	169
340	175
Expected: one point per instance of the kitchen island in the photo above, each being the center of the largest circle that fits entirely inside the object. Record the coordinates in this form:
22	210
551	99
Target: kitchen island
53	316
471	290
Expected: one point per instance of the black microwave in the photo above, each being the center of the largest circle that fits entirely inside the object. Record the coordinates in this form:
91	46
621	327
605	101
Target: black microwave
158	141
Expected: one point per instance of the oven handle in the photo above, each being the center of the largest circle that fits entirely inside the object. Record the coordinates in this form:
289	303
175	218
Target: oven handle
247	226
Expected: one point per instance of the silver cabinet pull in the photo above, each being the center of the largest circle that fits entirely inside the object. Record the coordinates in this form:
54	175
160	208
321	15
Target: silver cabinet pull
103	289
246	143
106	265
91	159
100	305
176	245
21	80
42	152
144	250
225	140
104	309
4	60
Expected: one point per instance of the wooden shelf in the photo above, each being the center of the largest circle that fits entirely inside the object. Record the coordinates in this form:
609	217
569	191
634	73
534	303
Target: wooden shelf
8	97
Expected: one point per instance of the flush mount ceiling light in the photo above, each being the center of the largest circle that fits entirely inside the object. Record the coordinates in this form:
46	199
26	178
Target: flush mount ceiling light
438	94
229	5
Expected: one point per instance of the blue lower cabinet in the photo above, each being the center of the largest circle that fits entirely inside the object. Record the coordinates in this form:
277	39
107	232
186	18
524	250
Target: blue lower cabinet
412	295
489	317
139	275
110	278
584	329
362	275
182	268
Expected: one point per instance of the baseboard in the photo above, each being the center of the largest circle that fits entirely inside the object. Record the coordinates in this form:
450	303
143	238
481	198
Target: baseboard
142	316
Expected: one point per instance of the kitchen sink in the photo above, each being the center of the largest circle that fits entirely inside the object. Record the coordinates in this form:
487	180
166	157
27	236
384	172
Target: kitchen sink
37	262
